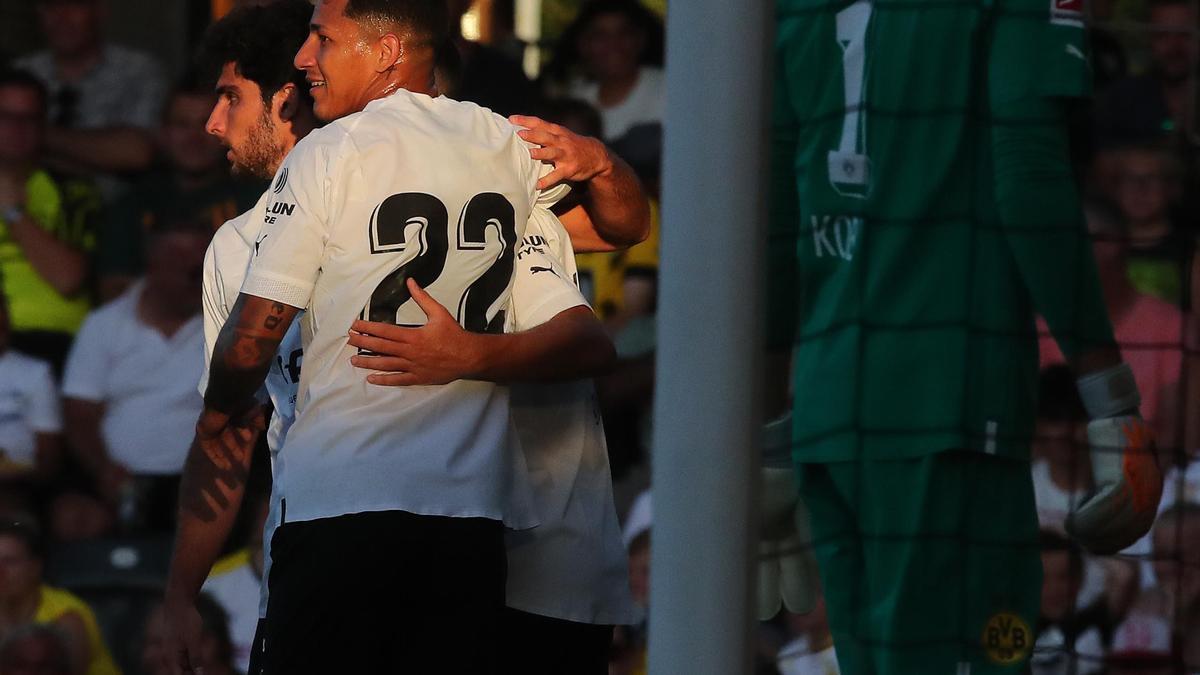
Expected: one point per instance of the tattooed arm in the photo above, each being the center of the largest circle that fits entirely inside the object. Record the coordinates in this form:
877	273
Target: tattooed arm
214	476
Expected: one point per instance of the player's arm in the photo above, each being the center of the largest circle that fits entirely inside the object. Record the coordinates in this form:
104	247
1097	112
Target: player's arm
571	345
1043	225
611	211
218	461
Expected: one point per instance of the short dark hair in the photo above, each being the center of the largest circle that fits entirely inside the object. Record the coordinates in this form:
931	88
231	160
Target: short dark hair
261	43
427	19
15	77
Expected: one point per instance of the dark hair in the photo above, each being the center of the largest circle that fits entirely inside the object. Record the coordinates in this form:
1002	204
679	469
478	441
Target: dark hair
562	110
425	18
261	43
566	51
27	533
15	77
1058	397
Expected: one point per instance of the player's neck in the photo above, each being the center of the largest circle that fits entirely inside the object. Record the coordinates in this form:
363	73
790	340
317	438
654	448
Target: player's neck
414	77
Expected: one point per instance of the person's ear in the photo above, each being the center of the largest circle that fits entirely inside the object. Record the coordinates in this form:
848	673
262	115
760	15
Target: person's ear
286	102
391	52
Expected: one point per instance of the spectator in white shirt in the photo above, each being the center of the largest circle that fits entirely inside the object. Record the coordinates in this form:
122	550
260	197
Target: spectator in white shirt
30	417
104	99
129	387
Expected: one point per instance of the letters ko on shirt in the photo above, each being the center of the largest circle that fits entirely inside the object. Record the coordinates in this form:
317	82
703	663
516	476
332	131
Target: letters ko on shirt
836	236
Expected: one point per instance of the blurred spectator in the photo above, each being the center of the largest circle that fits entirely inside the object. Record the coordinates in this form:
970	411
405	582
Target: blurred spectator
1068	642
196	183
811	651
1148	107
77	515
215	656
1062	471
1177	568
1148	191
486	75
30	415
235	583
629	642
130	385
46	228
1149	332
104	99
24	598
34	649
1142	646
611	57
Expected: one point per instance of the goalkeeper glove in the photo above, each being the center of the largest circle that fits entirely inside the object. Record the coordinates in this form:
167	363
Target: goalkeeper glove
787	569
1128	482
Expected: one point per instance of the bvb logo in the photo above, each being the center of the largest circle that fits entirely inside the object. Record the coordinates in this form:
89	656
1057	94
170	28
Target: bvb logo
1007	639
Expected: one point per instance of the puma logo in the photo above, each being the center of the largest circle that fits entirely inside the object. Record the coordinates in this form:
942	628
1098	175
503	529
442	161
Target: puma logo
257	242
535	269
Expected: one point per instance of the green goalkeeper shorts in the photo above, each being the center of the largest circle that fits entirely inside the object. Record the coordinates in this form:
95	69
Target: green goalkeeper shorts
930	566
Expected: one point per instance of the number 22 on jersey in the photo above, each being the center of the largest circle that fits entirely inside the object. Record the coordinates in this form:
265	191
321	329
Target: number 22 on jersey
388	235
849	166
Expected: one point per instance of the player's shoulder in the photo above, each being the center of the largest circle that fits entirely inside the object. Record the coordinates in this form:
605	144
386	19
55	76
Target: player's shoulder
238	233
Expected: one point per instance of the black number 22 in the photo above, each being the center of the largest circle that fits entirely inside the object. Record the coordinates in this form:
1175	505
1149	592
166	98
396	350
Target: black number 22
484	210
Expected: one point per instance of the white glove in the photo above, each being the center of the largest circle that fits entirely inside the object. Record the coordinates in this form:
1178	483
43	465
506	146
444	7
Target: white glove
787	569
1128	481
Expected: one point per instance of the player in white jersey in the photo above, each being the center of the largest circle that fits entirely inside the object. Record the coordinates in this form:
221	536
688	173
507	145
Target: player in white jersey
567	578
239	239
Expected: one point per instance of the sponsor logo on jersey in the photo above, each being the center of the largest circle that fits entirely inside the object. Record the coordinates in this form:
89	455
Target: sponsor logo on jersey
257	242
282	208
535	269
1007	639
281	182
1066	12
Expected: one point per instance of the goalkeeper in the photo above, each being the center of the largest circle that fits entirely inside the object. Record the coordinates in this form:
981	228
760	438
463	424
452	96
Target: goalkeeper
923	210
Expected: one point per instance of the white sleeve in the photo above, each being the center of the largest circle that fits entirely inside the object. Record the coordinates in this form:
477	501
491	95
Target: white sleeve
289	251
216	310
542	287
87	363
45	413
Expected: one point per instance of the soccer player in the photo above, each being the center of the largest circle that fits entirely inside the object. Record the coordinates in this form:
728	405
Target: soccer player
241	107
923	209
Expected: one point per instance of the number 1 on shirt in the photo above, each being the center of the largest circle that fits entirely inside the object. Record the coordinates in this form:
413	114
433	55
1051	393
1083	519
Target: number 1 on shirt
849	167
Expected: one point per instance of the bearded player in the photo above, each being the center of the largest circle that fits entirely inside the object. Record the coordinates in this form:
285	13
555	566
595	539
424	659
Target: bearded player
261	115
923	211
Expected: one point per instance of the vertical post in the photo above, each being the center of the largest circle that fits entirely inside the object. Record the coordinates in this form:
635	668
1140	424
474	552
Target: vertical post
707	413
528	26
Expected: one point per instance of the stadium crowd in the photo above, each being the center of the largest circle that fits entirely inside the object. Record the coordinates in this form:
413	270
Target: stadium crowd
110	190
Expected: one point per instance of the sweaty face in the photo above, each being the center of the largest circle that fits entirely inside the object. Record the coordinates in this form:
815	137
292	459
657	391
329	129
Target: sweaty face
245	125
338	60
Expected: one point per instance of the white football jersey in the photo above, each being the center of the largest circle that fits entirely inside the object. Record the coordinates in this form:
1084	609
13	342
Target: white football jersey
412	186
225	265
573	566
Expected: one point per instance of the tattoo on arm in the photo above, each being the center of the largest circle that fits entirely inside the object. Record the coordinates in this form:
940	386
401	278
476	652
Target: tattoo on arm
215	474
244	350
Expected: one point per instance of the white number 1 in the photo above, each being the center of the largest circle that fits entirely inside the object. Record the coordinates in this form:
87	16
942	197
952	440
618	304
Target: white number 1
849	167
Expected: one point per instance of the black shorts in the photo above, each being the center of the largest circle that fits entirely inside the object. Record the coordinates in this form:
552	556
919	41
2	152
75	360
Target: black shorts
539	645
387	592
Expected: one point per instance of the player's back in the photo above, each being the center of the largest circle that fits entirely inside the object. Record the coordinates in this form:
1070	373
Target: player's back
412	187
886	109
